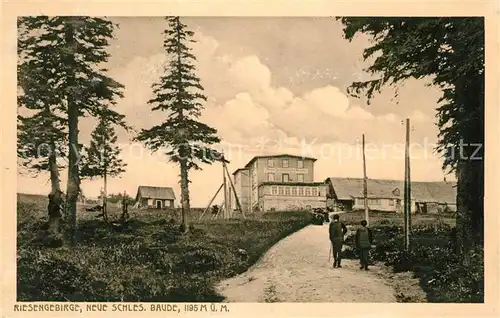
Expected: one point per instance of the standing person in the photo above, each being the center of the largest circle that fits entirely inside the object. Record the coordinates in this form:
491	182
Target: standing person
337	231
364	241
125	214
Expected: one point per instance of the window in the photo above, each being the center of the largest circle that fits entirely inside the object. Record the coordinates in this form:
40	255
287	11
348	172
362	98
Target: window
300	164
308	192
300	191
300	177
274	190
270	177
270	163
314	192
280	190
287	190
285	177
374	201
294	191
285	163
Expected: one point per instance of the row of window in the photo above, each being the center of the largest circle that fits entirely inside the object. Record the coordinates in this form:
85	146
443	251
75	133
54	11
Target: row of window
375	201
295	191
285	163
285	177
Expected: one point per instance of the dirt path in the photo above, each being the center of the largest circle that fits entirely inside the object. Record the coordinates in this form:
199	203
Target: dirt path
297	270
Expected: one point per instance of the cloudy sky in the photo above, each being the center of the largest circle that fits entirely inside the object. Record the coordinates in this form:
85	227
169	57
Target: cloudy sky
274	85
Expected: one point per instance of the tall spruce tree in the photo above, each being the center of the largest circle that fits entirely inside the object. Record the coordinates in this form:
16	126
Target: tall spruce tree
42	134
179	95
101	158
449	51
60	72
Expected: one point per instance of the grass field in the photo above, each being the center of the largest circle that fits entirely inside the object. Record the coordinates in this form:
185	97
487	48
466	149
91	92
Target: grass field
148	260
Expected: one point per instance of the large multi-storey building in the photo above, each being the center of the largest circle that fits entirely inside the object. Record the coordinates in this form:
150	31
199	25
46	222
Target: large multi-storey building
279	182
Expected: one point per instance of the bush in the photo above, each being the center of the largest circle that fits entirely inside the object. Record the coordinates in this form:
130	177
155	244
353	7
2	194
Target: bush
431	258
452	281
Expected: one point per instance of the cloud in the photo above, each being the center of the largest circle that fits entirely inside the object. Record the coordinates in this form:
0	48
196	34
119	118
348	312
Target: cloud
256	116
324	113
249	74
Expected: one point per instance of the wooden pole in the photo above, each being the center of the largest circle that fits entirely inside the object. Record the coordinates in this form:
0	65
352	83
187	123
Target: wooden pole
229	195
365	186
225	214
238	205
407	189
212	200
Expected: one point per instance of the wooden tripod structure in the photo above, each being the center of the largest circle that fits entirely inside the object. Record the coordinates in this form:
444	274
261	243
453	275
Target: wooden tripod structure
225	207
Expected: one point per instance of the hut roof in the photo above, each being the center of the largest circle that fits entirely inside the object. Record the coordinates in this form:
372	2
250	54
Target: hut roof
150	192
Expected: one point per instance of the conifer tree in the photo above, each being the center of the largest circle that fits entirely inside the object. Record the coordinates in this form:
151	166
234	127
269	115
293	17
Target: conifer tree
180	95
59	71
102	158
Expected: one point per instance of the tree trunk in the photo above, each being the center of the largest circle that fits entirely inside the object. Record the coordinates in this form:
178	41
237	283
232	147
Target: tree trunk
470	168
73	178
470	206
55	196
105	199
184	195
74	152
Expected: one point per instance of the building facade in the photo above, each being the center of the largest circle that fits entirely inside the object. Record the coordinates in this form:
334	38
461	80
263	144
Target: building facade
280	183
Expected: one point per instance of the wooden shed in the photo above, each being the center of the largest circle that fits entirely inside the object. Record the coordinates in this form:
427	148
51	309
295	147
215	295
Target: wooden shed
154	197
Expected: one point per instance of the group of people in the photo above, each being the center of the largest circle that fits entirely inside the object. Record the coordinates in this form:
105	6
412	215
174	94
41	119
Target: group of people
364	241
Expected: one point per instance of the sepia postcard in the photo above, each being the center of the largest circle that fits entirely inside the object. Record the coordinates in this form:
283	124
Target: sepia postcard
299	159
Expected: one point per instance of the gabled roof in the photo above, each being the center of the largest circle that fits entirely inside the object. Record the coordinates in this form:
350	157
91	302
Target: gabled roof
347	188
238	170
279	156
437	192
149	192
443	192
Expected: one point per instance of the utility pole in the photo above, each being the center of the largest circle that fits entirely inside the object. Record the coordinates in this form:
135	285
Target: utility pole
407	188
365	186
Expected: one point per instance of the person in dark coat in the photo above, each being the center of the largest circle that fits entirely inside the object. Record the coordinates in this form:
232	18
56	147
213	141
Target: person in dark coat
364	241
125	214
337	231
215	210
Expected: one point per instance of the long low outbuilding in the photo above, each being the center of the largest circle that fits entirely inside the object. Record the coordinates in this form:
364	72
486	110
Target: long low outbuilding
387	195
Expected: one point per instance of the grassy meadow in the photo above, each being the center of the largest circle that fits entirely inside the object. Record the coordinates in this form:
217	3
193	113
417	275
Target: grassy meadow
150	260
147	260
